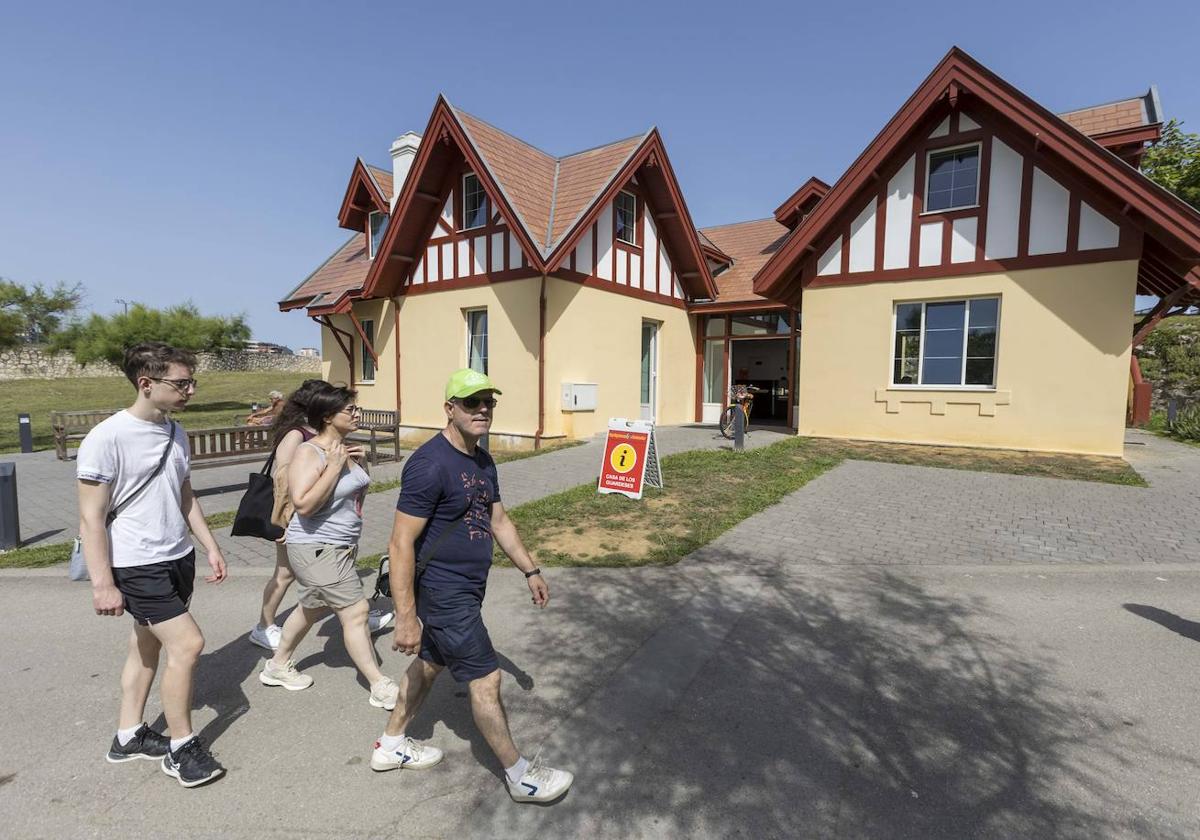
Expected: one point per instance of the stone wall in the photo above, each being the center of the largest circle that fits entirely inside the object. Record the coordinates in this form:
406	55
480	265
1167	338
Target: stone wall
33	362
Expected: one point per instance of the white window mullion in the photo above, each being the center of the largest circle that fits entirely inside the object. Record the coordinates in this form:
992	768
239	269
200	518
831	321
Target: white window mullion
921	350
962	373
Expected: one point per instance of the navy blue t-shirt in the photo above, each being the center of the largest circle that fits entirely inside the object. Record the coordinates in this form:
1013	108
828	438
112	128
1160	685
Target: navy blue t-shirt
440	483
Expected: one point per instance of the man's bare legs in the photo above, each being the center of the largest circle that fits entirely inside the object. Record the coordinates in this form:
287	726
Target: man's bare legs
489	716
183	643
414	688
138	675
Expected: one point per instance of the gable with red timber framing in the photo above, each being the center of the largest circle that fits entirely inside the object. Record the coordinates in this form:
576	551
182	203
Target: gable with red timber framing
363	196
1065	177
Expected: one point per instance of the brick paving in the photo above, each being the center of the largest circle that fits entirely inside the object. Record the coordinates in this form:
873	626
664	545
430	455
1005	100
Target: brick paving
867	513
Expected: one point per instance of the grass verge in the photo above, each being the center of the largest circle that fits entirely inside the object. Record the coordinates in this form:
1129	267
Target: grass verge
36	556
222	399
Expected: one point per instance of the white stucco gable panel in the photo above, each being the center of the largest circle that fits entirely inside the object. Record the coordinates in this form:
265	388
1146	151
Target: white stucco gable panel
897	228
931	244
1048	215
831	261
604	242
1004	202
962	243
1095	230
862	239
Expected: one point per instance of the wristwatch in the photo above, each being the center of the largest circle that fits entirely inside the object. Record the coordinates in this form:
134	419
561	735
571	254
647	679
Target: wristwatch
533	572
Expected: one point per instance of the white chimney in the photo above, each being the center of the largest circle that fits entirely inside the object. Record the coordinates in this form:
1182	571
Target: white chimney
404	150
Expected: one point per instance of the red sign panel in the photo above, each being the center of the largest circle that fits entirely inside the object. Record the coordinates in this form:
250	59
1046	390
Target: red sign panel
624	463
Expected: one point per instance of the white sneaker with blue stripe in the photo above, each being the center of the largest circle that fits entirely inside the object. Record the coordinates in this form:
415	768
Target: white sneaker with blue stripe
409	756
540	784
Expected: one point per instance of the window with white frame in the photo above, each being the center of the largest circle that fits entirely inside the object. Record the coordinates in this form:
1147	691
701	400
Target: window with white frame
378	225
477	340
368	363
952	178
475	203
946	343
626	225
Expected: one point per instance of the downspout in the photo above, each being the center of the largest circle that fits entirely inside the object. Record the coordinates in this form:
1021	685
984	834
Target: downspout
541	427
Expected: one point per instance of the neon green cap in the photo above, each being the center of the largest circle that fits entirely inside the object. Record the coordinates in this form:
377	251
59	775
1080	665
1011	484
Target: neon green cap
465	382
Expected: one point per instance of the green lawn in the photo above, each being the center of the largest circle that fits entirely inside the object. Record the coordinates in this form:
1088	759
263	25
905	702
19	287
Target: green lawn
222	399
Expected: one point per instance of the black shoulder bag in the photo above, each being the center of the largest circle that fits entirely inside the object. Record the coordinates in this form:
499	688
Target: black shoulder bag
253	517
383	584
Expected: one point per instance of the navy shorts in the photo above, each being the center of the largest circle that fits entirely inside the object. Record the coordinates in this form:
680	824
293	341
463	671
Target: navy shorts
157	592
453	634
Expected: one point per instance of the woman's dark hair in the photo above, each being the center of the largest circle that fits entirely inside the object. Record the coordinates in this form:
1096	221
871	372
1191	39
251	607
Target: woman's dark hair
294	413
326	400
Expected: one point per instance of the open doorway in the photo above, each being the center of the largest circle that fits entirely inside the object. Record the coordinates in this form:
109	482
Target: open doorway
762	365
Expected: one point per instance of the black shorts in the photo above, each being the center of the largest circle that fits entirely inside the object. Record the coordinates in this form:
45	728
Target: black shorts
453	634
157	592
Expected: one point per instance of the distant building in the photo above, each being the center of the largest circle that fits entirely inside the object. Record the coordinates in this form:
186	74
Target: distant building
310	352
267	347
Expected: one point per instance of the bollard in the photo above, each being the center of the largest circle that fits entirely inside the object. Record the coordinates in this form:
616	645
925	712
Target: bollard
739	430
25	431
1172	410
10	526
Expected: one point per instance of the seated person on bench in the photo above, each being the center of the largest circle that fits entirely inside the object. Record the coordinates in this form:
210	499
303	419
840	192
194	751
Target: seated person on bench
266	416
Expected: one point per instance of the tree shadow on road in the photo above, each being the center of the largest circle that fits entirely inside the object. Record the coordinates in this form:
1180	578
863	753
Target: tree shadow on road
870	708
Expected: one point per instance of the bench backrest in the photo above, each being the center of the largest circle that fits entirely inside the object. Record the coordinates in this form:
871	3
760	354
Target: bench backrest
230	440
378	419
80	421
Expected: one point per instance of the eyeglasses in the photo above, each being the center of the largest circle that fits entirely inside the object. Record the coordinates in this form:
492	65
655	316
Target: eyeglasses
473	403
179	384
352	409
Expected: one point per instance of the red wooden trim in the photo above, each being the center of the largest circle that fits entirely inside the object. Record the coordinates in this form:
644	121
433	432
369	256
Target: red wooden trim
396	336
699	321
726	372
845	262
1073	200
914	237
947	241
1027	164
737	306
362	334
613	286
595	266
792	338
810	192
880	228
984	194
976	268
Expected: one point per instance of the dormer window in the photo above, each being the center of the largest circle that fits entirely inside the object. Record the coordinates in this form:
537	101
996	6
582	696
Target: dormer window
953	179
626	226
475	203
378	224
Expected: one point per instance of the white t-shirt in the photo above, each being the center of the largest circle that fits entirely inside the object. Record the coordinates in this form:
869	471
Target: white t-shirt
123	451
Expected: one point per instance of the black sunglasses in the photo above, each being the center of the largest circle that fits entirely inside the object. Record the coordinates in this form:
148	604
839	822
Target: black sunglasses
473	403
181	384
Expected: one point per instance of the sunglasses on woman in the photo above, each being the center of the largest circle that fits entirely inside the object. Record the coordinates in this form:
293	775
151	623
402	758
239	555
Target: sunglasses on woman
473	403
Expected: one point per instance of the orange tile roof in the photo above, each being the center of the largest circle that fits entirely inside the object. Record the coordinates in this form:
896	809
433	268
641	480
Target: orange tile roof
750	244
345	269
383	178
583	176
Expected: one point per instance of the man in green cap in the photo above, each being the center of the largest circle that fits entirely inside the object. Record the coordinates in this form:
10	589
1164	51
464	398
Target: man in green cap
447	517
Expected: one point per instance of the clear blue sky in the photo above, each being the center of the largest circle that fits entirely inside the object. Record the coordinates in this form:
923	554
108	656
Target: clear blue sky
166	151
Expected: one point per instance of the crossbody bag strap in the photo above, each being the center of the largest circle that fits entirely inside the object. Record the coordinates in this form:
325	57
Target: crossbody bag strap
162	462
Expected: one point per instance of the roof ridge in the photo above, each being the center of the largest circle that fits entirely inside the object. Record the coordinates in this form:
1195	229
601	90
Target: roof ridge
735	224
553	207
606	145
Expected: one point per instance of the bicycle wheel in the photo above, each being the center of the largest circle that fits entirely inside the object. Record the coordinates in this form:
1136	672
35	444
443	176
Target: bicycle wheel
727	421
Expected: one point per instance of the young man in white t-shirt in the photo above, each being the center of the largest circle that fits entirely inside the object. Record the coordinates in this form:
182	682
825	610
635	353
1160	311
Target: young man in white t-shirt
134	524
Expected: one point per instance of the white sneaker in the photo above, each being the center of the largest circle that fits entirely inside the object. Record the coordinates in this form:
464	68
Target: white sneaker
286	676
384	694
409	756
540	784
378	619
266	637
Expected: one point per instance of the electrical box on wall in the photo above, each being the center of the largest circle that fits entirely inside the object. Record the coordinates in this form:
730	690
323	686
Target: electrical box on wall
579	396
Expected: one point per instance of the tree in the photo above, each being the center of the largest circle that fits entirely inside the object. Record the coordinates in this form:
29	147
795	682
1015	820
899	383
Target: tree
34	315
1174	163
100	338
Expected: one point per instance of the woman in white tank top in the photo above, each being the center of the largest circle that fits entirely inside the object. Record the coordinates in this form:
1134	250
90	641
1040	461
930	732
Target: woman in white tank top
327	486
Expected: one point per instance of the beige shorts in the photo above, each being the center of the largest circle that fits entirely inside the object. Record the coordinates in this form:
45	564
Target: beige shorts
325	574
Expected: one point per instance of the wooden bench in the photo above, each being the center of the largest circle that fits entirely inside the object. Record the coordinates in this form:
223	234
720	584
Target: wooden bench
229	445
376	425
74	425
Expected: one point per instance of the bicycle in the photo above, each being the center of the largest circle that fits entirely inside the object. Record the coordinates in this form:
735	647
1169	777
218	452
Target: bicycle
740	397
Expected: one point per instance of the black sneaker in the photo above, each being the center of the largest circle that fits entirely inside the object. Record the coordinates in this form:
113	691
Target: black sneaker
146	743
192	764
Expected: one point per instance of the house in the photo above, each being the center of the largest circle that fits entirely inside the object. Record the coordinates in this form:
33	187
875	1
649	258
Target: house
969	280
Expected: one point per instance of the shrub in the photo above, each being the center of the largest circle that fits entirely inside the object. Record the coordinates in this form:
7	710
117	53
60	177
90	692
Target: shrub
1187	422
182	326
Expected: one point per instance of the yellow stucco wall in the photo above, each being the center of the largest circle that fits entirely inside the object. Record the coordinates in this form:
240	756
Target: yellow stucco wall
593	335
1061	372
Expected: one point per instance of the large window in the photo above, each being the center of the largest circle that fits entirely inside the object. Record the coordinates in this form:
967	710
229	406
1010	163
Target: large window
379	223
952	179
368	363
627	218
714	370
475	203
946	342
477	340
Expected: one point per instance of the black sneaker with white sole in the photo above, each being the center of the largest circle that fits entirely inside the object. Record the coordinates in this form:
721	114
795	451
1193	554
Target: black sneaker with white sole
146	743
192	764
